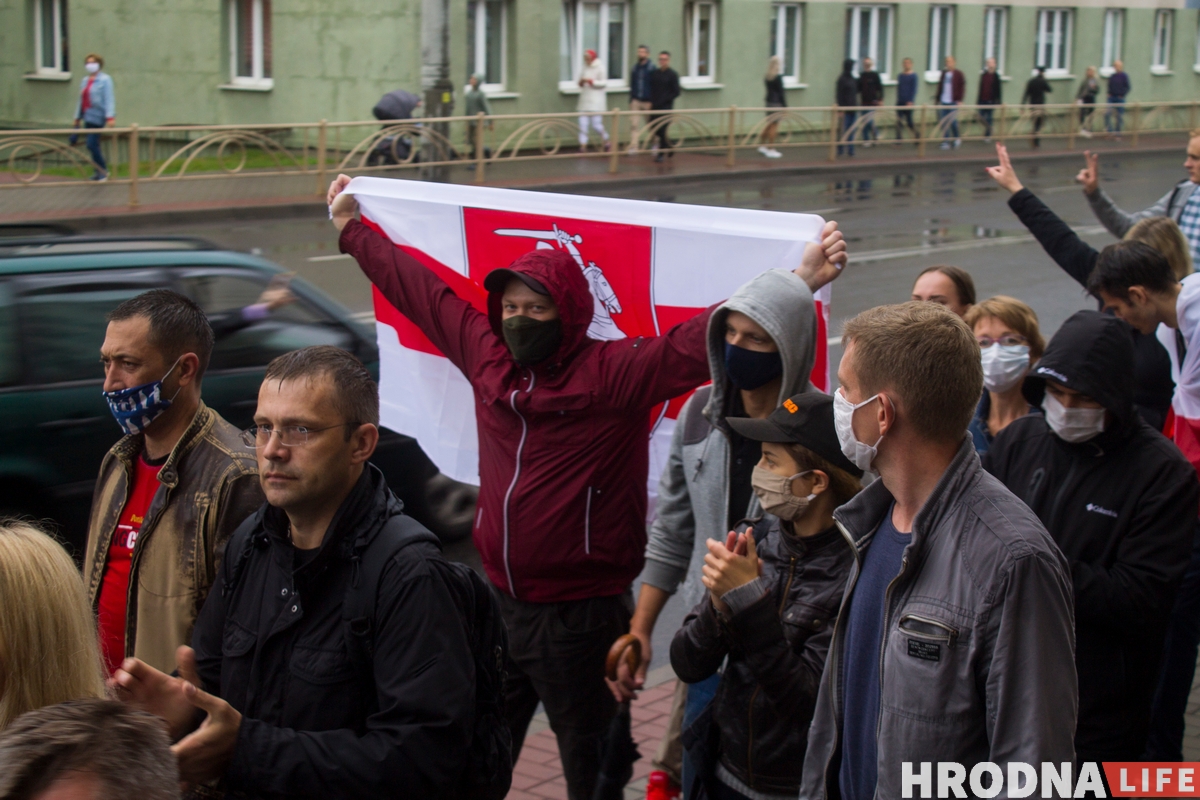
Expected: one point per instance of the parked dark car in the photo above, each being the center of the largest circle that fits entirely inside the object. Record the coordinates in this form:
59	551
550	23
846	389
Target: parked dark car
55	427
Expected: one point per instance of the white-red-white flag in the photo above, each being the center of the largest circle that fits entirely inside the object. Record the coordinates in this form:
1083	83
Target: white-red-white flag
650	265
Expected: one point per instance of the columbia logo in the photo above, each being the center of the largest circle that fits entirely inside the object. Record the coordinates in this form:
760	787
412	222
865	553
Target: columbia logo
1101	510
1056	375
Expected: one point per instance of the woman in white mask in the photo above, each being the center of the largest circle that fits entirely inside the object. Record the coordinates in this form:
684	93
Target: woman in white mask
1010	343
770	608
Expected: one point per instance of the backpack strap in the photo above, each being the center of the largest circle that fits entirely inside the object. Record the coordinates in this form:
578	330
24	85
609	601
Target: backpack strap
695	425
358	606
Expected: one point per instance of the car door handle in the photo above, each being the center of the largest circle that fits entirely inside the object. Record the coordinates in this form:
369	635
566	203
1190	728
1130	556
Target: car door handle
66	424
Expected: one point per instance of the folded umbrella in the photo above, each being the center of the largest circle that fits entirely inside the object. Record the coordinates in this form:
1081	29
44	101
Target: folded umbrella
620	751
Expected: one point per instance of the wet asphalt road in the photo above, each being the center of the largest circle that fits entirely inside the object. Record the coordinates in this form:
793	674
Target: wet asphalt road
897	221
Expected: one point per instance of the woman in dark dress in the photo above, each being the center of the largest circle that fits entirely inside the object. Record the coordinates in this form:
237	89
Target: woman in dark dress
775	99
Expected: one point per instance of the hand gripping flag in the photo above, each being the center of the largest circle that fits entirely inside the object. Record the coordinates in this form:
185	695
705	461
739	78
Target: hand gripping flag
649	265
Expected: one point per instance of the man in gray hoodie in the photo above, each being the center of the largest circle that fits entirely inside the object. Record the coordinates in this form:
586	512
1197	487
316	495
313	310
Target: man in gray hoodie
761	345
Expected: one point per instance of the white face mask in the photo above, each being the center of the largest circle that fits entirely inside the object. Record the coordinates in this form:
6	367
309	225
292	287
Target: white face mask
861	455
1004	366
1073	425
92	67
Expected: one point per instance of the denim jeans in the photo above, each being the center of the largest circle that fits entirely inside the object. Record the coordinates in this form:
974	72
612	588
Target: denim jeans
985	116
699	695
93	146
951	130
1115	111
905	117
848	118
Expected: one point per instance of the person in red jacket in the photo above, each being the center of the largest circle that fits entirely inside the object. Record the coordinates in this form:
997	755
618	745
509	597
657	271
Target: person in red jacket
951	89
564	424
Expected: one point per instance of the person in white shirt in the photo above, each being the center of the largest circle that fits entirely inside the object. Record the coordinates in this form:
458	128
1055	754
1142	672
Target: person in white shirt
592	100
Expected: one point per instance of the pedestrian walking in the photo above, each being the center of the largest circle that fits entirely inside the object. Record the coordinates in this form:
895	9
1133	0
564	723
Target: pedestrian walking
664	88
952	88
563	460
772	591
991	93
1010	343
761	348
1119	87
1120	503
171	491
847	100
476	103
95	109
906	96
1089	87
870	93
946	556
1035	95
593	100
947	286
639	94
331	587
775	99
1181	204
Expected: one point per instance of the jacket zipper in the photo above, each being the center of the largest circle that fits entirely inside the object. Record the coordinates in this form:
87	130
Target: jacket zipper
949	637
135	563
1062	488
750	713
512	402
887	607
832	661
587	523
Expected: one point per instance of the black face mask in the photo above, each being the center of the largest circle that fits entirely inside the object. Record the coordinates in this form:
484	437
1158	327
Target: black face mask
532	340
750	369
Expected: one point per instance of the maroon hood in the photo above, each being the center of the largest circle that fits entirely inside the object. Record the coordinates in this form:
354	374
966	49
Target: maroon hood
569	290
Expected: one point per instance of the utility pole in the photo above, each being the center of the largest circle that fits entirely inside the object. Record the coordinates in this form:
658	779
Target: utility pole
435	82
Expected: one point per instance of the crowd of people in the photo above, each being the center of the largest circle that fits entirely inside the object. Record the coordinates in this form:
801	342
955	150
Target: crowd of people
982	547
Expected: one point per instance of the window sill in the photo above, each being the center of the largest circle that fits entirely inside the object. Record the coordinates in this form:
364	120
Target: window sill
1107	72
933	75
571	87
47	76
1196	68
249	85
1162	71
1055	76
692	85
501	95
796	85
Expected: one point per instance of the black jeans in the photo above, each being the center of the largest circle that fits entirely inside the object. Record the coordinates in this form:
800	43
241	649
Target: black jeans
664	144
556	655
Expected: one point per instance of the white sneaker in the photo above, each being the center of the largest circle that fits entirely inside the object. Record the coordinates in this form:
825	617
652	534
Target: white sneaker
773	153
957	143
945	145
1085	133
762	148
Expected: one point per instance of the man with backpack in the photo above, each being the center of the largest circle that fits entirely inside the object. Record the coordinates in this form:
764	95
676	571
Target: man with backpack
338	654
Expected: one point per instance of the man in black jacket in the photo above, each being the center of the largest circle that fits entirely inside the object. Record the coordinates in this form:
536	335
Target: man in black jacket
870	90
847	97
1121	502
990	94
302	700
664	88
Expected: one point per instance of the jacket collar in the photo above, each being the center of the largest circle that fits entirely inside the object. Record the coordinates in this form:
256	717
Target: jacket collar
860	518
129	447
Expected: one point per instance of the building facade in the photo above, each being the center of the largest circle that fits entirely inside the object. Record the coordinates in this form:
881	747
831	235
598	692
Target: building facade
279	61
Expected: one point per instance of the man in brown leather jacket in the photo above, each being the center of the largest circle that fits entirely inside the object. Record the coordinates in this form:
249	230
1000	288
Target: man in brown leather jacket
171	491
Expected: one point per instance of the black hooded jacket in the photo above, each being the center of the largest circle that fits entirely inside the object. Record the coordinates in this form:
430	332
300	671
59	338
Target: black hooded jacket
847	85
776	649
1122	507
274	647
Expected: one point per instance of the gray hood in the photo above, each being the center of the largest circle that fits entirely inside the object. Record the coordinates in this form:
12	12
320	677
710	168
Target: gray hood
782	304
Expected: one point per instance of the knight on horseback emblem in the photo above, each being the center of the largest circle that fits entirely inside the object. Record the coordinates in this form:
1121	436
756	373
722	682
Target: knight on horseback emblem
604	299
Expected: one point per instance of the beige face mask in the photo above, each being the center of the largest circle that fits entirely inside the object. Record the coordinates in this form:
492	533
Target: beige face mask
775	494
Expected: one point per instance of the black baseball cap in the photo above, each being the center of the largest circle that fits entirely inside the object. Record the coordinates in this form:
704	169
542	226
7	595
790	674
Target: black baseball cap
805	419
497	279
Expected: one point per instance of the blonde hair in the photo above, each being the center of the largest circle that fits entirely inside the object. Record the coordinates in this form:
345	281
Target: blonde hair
1013	313
925	358
774	67
49	648
1164	235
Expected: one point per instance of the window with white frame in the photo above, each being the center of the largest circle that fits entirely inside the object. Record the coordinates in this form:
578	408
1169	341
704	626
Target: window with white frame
701	36
1163	25
599	26
486	41
1053	47
786	27
869	34
1114	33
50	37
941	37
250	43
995	36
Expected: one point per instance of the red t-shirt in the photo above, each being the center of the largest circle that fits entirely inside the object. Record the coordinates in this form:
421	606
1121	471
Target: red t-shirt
114	587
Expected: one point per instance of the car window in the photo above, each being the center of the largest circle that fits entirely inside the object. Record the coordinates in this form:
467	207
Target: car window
10	366
240	343
63	316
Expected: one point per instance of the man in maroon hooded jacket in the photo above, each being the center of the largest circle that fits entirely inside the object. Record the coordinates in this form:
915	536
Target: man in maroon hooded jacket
564	431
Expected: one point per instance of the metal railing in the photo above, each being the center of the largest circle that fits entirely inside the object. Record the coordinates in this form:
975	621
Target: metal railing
304	156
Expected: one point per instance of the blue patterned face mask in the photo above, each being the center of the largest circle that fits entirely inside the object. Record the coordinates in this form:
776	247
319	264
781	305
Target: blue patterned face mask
136	407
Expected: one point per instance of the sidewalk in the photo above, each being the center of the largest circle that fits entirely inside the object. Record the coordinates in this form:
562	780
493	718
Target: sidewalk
235	195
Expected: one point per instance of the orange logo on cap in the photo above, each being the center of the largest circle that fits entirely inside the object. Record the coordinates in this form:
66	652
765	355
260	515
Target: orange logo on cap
790	406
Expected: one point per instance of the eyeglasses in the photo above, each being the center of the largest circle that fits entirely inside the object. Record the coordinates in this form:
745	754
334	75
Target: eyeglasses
1004	341
289	435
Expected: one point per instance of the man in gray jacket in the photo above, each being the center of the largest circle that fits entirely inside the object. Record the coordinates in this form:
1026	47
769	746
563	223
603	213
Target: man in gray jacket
760	352
955	640
1181	204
